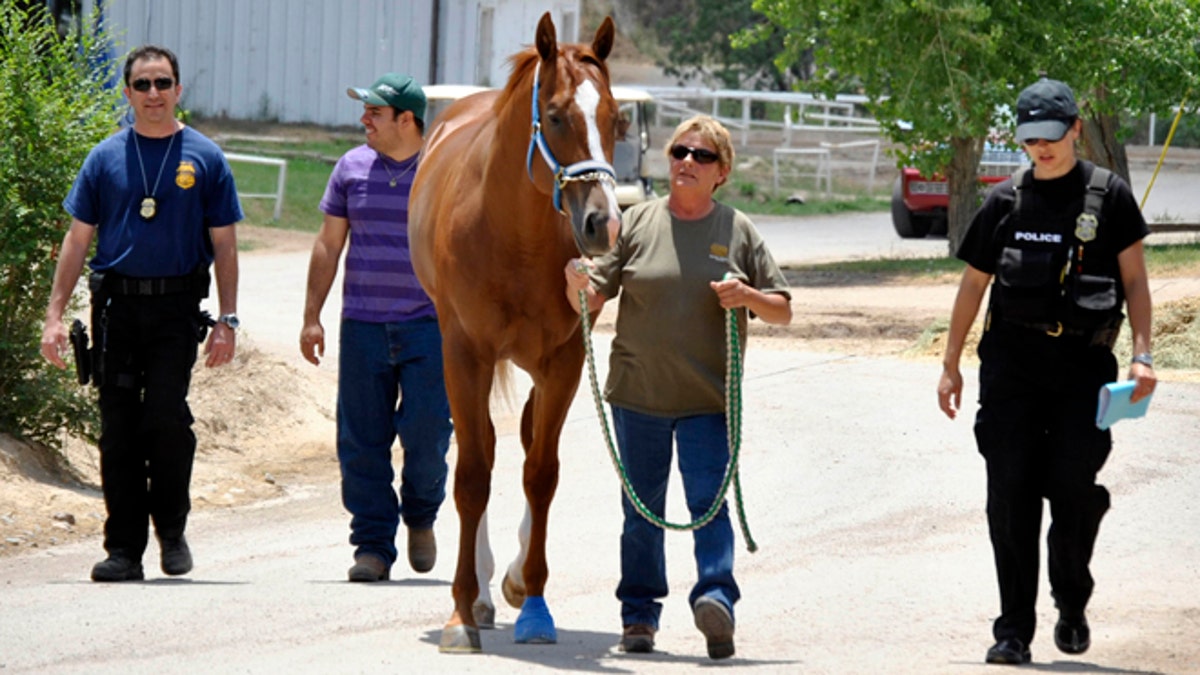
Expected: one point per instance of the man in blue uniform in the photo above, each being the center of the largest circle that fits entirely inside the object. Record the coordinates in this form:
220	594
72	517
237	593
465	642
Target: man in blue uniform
1064	243
160	201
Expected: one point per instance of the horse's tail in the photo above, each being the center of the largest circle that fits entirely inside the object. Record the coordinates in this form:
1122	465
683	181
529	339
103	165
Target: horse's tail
503	385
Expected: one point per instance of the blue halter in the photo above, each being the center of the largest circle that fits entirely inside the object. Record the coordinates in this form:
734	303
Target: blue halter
587	170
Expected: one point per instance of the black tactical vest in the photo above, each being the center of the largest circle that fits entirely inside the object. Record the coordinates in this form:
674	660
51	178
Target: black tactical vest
1046	270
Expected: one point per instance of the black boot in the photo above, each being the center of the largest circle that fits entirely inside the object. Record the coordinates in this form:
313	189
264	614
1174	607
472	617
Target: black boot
176	556
1071	633
117	567
1009	651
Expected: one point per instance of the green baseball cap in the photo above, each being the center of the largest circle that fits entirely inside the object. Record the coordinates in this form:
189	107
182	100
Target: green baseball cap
399	91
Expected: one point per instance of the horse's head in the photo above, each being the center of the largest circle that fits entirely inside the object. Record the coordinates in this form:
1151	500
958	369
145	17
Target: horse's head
574	125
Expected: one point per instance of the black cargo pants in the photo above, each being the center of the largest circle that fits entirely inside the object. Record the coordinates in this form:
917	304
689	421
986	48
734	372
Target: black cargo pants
146	347
1036	429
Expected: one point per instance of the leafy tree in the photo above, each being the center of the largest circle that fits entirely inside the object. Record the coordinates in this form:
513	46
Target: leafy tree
695	39
952	68
1144	61
53	108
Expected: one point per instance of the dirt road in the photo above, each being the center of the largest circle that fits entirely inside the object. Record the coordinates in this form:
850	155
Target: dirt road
868	506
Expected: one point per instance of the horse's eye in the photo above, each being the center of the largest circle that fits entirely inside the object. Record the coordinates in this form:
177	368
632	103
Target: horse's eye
554	119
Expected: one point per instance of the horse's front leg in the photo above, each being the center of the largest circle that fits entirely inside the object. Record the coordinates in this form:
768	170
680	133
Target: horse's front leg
551	399
468	386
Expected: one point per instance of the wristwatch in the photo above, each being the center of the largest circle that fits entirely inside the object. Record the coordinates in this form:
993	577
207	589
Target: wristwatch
1144	358
230	320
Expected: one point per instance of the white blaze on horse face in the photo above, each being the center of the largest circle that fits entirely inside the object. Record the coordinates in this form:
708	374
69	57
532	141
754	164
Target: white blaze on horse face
587	97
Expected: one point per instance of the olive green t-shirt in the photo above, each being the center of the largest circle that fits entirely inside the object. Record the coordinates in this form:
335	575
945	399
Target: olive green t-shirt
668	356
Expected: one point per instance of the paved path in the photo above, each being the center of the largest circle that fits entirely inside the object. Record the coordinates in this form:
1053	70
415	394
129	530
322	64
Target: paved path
867	505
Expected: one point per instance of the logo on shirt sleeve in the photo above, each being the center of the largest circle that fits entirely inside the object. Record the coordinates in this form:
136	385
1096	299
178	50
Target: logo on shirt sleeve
185	175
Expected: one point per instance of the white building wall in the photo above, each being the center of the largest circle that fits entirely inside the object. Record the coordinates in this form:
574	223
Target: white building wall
291	60
514	29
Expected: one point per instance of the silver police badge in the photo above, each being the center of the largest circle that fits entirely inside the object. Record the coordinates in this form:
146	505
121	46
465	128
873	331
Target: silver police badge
1086	226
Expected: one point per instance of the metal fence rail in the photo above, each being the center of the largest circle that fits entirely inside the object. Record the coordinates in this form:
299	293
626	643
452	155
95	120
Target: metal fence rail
840	115
280	184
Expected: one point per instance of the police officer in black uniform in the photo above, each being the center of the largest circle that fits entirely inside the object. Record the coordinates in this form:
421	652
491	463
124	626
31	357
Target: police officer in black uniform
1063	240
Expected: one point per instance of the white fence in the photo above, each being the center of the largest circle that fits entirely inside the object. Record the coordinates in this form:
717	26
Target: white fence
280	184
801	113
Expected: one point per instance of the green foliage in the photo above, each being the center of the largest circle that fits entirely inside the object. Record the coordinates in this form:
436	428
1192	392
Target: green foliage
53	109
696	41
1121	55
943	73
1187	132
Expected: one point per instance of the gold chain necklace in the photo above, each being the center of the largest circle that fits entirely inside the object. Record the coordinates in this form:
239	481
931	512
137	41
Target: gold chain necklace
149	205
392	180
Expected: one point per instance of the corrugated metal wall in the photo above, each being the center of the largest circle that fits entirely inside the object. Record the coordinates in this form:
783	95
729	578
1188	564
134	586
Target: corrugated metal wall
278	59
291	60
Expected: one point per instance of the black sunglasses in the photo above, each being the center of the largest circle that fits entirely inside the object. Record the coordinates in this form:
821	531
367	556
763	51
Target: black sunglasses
142	84
701	155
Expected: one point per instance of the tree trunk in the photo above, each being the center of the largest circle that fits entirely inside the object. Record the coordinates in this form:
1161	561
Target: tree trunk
1100	144
963	177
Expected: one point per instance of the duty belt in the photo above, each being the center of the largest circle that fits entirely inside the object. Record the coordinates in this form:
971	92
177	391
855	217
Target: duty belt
121	285
1104	335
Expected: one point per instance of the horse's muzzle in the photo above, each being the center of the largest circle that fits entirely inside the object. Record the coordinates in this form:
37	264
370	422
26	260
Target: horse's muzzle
598	232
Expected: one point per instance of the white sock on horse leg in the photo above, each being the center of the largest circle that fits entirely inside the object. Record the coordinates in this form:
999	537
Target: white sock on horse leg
516	570
485	562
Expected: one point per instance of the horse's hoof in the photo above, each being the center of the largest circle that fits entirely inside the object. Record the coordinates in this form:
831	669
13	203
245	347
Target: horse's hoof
461	639
485	615
513	594
535	625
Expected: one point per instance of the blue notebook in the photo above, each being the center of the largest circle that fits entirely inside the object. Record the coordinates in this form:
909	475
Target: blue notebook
1114	403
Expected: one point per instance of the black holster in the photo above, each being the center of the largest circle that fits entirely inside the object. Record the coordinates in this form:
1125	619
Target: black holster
83	355
204	321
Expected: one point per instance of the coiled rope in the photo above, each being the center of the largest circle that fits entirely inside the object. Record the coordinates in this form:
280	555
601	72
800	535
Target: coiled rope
733	432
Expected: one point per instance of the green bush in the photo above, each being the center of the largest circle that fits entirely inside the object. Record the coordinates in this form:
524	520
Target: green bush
53	108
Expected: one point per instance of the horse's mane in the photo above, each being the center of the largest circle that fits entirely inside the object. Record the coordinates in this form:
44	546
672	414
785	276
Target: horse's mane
524	62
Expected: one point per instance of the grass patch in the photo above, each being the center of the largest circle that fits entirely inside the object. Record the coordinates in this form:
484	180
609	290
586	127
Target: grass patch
306	179
814	206
1173	259
1162	260
877	271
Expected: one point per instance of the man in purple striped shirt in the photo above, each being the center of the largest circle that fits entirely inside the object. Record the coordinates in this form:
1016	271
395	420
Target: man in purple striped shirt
390	358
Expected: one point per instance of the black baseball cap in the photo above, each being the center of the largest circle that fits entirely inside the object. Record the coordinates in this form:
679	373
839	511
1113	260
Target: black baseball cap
1046	109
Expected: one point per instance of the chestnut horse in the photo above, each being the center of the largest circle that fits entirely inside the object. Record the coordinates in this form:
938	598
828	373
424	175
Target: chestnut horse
513	184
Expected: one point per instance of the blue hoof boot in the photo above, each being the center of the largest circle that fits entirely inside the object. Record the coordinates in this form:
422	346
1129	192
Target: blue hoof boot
535	625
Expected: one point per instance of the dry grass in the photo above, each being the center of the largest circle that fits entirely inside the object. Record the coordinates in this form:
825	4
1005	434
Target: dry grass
1175	336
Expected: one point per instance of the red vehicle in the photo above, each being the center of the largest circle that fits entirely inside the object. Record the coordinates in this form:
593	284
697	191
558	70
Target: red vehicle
919	204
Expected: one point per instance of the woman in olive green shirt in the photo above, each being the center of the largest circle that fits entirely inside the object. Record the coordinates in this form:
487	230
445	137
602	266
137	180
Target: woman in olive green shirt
680	262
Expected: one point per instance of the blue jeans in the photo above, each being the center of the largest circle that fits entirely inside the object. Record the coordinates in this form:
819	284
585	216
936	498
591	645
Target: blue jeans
644	442
390	382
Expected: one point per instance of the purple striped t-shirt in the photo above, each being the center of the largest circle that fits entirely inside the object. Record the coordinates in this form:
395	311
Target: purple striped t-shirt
379	285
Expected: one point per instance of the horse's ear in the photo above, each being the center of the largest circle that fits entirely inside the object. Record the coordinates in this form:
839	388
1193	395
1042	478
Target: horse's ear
547	39
603	42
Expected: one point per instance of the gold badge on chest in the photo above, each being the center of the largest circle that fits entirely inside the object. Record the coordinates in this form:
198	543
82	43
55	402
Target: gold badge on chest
185	175
1086	226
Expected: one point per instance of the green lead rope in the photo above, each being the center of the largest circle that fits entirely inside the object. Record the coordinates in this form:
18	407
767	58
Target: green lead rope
733	431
